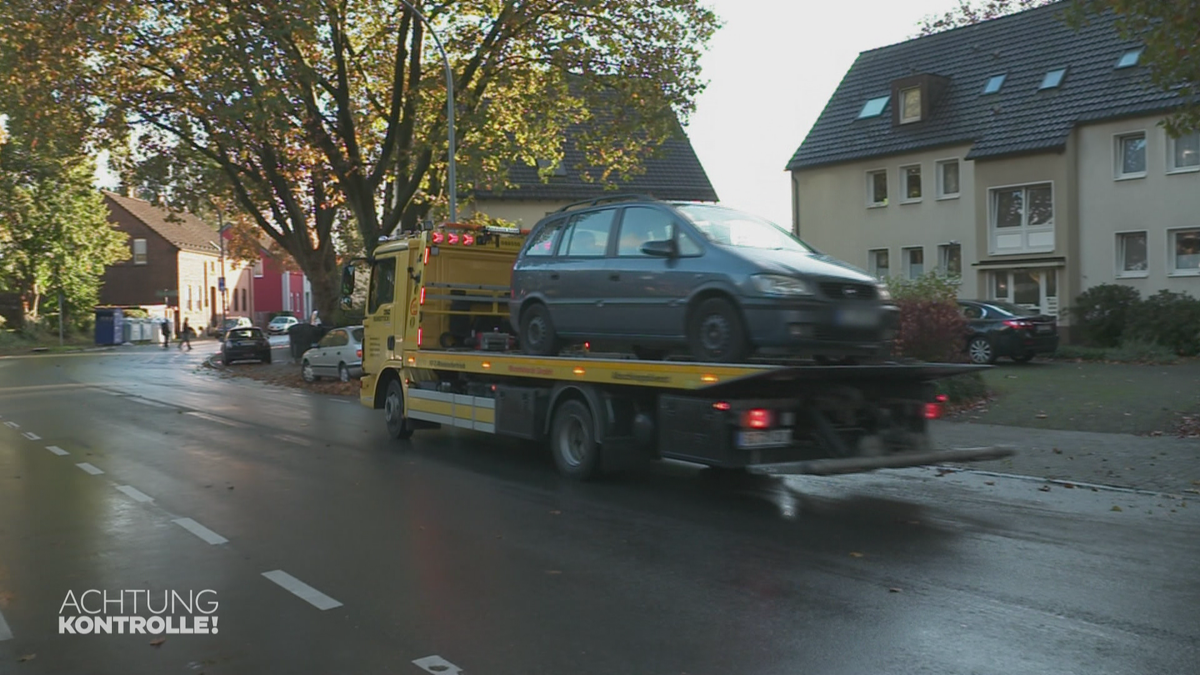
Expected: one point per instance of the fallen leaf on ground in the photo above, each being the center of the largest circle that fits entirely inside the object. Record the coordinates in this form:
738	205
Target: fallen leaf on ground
1040	416
1057	451
556	513
27	657
893	590
1069	486
989	482
1117	508
855	554
1044	488
157	642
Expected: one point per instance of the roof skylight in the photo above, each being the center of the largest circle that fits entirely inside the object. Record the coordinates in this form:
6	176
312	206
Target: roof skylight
993	85
1129	59
1053	79
874	107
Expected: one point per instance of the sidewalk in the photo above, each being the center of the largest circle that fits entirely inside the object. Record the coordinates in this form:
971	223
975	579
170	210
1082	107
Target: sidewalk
1164	464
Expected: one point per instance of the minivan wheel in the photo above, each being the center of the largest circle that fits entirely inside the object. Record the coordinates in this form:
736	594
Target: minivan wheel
980	351
307	372
538	337
716	333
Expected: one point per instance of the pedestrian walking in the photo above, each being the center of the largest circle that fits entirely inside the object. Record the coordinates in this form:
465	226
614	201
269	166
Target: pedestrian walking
186	335
166	331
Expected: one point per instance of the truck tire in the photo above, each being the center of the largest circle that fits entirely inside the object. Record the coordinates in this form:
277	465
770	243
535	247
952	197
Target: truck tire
538	337
398	426
716	333
573	441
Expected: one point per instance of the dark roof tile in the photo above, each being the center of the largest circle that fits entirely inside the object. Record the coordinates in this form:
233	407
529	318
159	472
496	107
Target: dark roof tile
184	230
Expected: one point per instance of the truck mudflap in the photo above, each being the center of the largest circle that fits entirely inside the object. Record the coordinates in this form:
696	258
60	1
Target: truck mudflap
844	465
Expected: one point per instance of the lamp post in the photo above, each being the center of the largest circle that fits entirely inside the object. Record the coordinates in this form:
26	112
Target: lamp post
449	108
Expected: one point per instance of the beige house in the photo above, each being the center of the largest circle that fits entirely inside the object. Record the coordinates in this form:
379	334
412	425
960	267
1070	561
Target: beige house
1021	155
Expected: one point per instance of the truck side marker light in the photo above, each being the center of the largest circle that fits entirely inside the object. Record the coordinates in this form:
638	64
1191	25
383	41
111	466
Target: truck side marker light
487	364
422	295
412	360
419	330
452	238
426	260
708	378
721	405
468	240
579	371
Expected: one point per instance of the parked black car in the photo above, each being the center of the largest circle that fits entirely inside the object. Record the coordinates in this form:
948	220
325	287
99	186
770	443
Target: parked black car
1002	329
656	276
245	343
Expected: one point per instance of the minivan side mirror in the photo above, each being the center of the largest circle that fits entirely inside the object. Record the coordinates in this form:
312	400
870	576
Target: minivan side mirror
660	249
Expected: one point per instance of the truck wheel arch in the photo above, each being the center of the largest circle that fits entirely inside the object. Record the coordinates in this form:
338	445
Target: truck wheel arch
583	393
381	386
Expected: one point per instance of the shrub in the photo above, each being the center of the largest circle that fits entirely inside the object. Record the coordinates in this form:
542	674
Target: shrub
931	326
1168	319
1102	312
965	388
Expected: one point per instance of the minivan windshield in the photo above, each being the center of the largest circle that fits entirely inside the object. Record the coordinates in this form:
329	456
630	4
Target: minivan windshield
730	227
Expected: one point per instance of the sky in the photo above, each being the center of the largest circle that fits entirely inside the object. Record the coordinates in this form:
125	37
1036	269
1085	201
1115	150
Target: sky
770	70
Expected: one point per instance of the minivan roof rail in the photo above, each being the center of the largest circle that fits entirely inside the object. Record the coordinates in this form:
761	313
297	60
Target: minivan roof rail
611	198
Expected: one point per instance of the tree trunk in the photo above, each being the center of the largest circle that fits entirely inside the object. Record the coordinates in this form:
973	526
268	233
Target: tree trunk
321	268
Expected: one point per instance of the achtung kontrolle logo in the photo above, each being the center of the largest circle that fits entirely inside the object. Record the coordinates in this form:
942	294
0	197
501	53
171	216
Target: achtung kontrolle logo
138	612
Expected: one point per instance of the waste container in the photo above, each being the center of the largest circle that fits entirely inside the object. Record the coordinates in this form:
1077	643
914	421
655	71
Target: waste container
301	338
110	324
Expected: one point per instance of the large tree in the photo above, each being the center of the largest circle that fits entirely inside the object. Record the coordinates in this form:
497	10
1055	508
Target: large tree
1167	28
315	107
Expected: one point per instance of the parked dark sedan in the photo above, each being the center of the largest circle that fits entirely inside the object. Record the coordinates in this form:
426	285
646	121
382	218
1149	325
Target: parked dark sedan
245	343
657	276
1002	329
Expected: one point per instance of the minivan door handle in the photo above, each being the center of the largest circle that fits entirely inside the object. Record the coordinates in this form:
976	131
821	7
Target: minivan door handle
554	276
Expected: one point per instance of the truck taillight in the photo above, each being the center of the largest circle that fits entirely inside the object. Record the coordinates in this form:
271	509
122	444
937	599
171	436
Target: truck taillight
422	295
468	240
934	411
419	336
757	418
438	237
452	238
425	261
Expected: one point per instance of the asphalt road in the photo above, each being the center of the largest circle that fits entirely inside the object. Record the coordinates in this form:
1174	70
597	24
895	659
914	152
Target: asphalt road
314	545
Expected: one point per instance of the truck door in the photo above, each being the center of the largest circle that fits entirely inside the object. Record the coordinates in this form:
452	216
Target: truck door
378	322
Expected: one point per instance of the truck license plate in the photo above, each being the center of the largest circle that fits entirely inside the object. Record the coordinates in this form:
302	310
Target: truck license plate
764	439
858	317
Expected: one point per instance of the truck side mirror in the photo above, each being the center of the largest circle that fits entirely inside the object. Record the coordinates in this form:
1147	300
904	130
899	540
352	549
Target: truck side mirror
347	286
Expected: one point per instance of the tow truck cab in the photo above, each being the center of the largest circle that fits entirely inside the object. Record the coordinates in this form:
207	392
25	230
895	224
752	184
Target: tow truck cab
438	351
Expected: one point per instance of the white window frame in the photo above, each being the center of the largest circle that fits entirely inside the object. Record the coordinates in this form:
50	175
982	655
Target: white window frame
1119	257
871	203
1024	228
943	257
1172	271
1119	155
1171	168
871	266
145	252
941	191
904	198
907	262
903	118
258	268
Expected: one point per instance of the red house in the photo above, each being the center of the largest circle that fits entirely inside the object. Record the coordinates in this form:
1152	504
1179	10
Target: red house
276	289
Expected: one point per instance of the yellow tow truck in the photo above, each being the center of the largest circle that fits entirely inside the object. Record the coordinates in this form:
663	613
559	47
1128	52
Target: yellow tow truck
438	352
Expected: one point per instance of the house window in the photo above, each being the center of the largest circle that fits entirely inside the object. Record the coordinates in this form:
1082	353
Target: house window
1022	219
1053	79
914	262
910	105
911	176
1129	59
559	169
258	268
873	108
1185	252
950	260
1184	152
1131	156
235	299
947	177
877	263
1131	254
139	251
993	84
245	305
877	188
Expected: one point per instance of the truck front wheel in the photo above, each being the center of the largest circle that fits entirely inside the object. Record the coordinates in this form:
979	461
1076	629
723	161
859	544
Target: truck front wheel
398	426
573	441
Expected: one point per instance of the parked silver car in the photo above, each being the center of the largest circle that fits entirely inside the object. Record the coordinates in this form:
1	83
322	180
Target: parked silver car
338	354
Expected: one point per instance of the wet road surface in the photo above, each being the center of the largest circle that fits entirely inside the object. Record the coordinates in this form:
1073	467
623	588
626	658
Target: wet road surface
329	549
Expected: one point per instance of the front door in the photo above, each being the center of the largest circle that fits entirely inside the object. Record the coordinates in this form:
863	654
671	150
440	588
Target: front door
1035	289
648	293
379	342
579	273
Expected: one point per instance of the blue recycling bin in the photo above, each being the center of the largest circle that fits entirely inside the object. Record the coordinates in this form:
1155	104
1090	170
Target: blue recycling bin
110	325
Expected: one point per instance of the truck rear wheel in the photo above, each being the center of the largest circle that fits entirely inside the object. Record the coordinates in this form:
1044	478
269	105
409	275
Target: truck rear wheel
398	426
573	441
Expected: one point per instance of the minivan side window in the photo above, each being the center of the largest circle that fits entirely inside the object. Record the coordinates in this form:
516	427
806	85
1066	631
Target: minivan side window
542	243
688	247
588	235
641	224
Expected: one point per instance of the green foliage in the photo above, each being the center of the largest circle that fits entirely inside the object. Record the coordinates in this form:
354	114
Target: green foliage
965	388
1102	312
1132	351
931	326
1168	319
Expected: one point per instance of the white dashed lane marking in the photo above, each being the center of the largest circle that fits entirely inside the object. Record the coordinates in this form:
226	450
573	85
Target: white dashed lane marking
302	590
12	425
437	665
146	401
200	531
31	436
5	631
57	450
218	420
288	438
90	469
135	494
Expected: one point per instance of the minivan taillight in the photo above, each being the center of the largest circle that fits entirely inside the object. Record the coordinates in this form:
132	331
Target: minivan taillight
359	353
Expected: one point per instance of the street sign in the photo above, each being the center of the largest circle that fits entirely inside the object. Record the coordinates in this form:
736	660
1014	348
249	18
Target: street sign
221	284
166	293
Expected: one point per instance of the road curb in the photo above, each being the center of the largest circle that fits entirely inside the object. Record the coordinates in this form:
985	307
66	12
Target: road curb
1061	482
